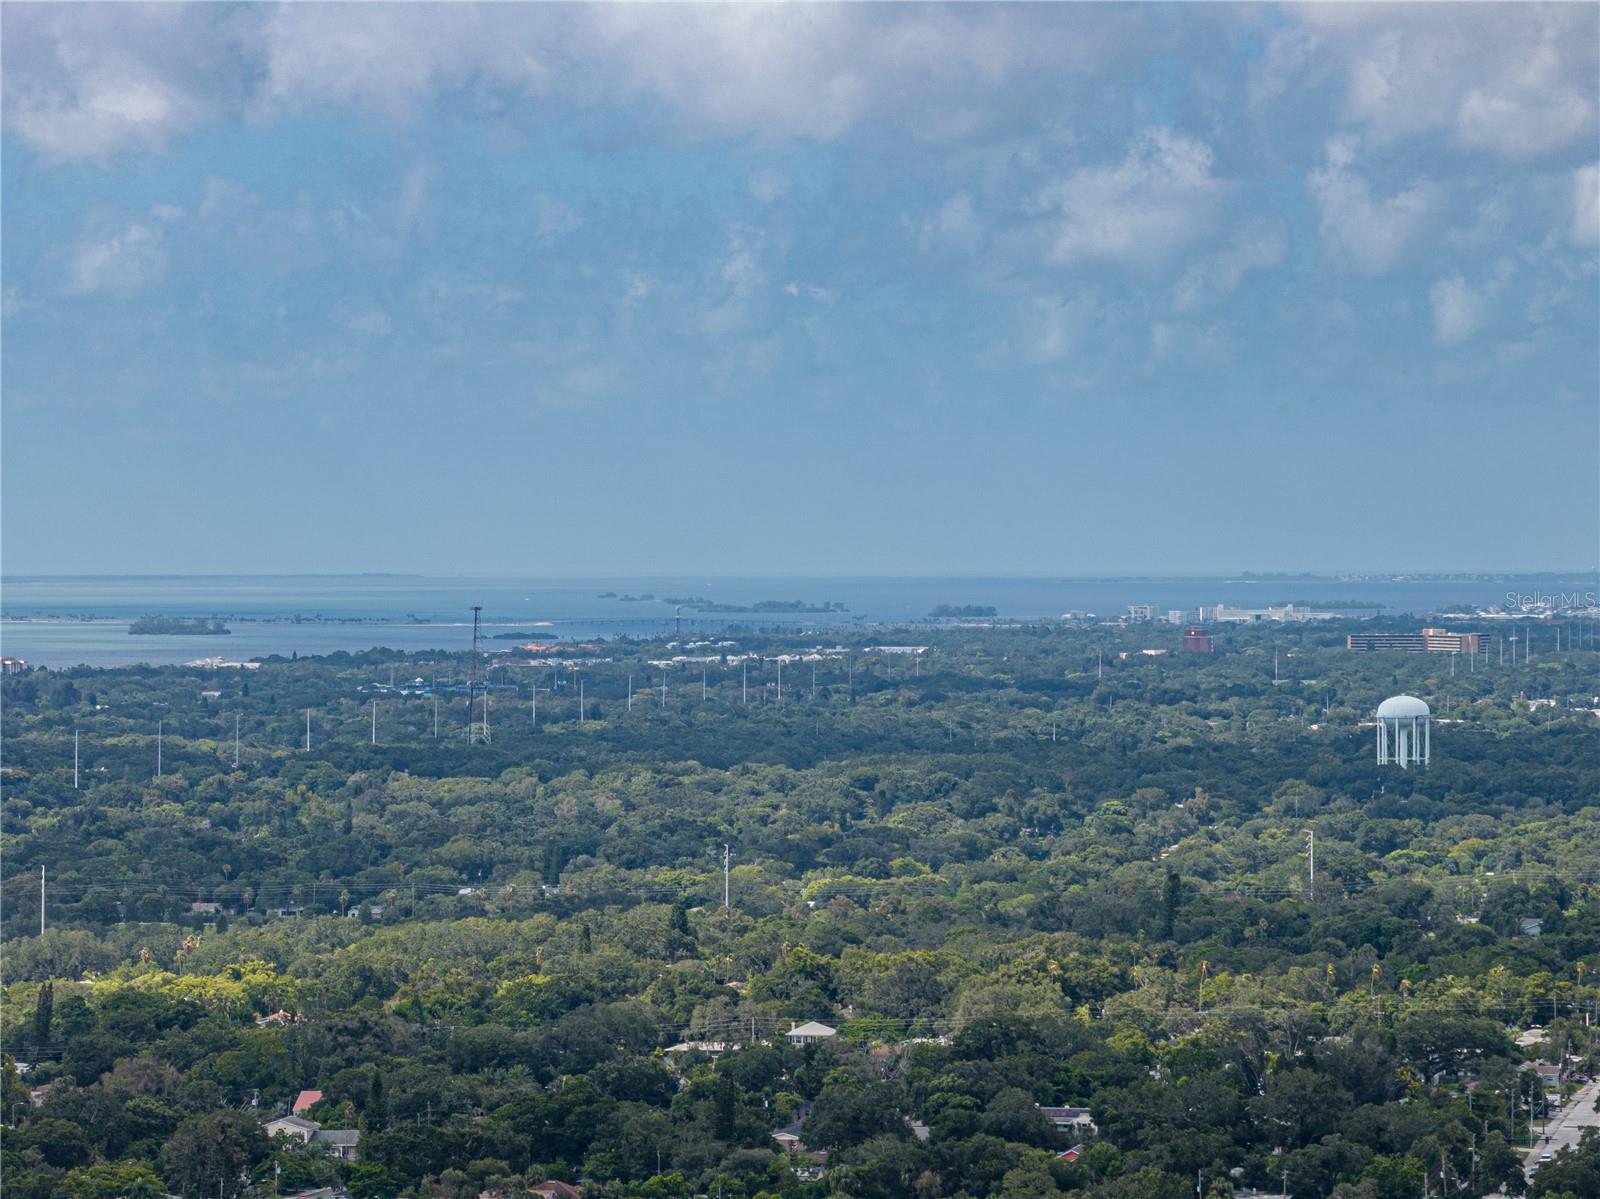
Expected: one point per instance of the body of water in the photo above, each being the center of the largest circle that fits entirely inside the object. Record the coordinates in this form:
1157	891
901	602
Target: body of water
58	622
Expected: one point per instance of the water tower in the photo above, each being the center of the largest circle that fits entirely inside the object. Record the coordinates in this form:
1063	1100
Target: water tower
1403	735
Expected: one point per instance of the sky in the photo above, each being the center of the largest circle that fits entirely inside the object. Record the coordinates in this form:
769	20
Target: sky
550	290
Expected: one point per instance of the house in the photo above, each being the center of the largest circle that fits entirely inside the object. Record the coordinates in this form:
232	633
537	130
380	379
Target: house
341	1142
1069	1119
276	1019
1549	1074
204	908
306	1100
287	912
319	1193
710	1048
789	1137
1530	926
291	1126
554	1188
1070	1155
810	1033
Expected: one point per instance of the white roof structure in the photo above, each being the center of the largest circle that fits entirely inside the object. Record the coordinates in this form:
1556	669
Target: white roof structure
811	1030
1403	705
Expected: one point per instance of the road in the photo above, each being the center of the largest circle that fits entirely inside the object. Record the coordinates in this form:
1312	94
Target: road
1565	1129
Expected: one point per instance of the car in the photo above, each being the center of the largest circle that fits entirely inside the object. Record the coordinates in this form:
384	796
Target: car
1544	1157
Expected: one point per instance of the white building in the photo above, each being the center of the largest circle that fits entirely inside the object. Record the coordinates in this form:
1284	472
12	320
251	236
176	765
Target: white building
810	1033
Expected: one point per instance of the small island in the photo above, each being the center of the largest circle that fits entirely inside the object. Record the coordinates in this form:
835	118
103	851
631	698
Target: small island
179	626
968	611
761	606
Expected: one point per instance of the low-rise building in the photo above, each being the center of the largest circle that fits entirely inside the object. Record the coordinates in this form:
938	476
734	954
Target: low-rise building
1069	1119
810	1033
341	1142
306	1100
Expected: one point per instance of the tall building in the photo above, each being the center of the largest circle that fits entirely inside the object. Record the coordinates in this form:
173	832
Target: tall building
1429	641
1196	641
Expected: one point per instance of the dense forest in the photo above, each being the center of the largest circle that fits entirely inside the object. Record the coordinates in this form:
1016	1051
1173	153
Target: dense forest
1033	867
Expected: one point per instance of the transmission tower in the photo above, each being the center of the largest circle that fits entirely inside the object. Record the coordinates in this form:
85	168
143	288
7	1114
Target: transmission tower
477	686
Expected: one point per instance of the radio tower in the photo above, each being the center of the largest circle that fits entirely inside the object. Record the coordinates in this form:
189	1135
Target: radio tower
477	687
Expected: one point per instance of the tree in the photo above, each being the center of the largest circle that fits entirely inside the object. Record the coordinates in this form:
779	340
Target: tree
1171	902
108	1181
213	1154
60	1142
376	1113
43	1012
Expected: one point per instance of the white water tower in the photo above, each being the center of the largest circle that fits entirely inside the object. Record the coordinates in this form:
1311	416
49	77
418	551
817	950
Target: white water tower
1404	738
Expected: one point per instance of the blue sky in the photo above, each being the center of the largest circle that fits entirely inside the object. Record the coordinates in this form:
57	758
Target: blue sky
562	290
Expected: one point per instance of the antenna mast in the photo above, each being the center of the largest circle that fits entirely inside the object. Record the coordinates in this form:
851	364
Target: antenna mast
477	686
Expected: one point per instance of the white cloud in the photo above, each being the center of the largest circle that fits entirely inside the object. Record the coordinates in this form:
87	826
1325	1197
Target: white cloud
741	276
1052	326
1458	310
1366	233
120	261
954	226
1586	205
1160	198
1514	80
88	81
810	291
1257	246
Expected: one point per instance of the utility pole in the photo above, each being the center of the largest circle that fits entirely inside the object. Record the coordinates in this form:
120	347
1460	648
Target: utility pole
236	740
744	682
663	690
702	684
74	759
780	684
308	730
158	748
477	685
813	682
1099	663
580	700
41	899
727	865
1311	857
374	722
434	692
630	693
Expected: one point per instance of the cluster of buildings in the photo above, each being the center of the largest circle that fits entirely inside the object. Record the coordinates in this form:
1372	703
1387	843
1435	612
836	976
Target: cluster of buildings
340	1142
1222	614
13	666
